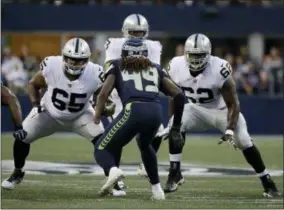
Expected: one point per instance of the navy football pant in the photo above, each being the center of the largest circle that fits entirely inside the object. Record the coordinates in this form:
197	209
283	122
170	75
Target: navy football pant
143	118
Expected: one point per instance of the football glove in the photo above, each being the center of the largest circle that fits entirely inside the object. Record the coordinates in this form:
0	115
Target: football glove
109	109
20	134
228	137
176	138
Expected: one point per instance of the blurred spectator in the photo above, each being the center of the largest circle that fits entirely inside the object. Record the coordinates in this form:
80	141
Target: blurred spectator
272	72
249	79
13	71
18	80
31	63
179	50
9	61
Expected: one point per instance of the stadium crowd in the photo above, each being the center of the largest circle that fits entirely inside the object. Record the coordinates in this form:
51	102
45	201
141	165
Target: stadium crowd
159	2
252	79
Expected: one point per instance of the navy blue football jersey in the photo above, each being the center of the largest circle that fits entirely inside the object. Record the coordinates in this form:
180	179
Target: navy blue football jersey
137	86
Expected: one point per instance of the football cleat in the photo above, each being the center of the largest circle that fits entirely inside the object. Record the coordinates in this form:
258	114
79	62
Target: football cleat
117	191
115	174
175	178
159	195
15	178
141	171
270	190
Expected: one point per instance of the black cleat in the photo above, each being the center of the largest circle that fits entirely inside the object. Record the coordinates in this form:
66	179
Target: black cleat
16	178
175	178
270	190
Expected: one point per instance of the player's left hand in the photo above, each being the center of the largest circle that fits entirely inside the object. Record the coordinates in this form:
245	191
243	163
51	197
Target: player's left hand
228	137
20	134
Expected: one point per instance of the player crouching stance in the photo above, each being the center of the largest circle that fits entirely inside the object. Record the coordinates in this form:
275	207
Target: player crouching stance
137	81
212	103
71	80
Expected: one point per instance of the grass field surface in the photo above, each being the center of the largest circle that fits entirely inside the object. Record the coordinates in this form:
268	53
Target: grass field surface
236	189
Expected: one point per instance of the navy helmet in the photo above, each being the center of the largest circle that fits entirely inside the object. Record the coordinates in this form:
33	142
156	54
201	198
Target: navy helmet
134	47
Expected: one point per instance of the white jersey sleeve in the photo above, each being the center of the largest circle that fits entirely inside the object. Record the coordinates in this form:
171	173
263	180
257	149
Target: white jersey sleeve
99	76
154	51
46	67
173	69
222	69
113	47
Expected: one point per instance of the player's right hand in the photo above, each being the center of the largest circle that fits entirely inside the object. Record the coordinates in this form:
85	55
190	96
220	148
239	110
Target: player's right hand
176	138
39	109
20	134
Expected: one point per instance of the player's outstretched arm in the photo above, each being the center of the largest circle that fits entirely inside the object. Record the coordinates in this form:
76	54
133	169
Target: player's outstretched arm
9	98
35	84
103	96
230	97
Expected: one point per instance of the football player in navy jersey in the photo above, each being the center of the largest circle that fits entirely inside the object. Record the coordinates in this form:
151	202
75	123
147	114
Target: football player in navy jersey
138	82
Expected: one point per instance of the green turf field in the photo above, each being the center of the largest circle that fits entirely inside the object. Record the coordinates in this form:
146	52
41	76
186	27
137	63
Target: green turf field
199	191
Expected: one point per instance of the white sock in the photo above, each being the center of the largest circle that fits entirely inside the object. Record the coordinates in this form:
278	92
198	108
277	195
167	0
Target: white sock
175	157
265	172
157	188
112	168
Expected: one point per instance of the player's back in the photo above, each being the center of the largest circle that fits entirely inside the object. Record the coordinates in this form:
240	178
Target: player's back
66	99
137	86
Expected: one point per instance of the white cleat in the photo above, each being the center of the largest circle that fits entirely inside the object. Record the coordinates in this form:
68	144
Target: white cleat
141	171
118	193
159	195
8	185
115	174
15	178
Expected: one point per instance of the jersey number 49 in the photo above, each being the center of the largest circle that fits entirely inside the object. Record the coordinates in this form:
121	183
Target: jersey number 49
151	75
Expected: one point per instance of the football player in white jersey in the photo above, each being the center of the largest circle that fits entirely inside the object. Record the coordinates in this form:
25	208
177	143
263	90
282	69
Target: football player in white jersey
212	103
134	25
71	80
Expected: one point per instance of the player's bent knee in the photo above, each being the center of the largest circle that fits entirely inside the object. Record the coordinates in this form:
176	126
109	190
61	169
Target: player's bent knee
243	141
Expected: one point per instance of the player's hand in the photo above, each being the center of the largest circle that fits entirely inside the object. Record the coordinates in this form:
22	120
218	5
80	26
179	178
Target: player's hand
38	109
176	137
109	109
228	137
20	134
97	118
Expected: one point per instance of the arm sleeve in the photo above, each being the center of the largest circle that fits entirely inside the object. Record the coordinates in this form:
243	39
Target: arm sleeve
155	52
46	70
112	49
172	71
225	73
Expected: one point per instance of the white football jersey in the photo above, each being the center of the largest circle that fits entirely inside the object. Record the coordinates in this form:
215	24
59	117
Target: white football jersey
203	90
65	99
113	47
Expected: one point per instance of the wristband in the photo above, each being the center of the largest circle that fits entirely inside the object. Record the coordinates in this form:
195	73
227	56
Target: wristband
18	127
35	104
229	132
